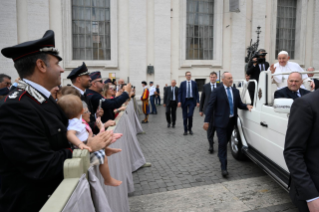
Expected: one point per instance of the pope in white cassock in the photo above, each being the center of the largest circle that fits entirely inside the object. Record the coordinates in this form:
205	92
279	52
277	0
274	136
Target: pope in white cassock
284	66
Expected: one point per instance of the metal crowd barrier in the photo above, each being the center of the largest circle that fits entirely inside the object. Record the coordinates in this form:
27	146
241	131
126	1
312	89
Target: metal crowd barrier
78	170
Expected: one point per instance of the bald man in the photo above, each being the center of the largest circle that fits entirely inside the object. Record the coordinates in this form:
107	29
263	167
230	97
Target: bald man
293	90
285	66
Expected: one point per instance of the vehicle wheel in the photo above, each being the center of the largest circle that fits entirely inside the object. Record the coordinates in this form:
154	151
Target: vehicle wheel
236	145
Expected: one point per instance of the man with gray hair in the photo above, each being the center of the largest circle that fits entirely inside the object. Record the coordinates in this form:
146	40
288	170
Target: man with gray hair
170	102
316	81
222	107
293	90
285	66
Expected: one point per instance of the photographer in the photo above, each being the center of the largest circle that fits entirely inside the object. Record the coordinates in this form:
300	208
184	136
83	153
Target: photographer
255	66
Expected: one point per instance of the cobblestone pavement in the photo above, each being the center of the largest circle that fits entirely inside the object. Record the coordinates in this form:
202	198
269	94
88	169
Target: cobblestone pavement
183	163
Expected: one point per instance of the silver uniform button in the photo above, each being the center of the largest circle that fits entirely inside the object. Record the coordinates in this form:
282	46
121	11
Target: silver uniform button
59	130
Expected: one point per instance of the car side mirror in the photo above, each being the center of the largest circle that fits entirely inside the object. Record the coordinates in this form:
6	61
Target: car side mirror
282	105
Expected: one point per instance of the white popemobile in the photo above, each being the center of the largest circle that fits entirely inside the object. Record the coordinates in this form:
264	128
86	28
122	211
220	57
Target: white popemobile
260	134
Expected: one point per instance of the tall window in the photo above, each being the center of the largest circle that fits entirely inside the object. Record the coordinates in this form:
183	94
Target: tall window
286	27
200	29
91	29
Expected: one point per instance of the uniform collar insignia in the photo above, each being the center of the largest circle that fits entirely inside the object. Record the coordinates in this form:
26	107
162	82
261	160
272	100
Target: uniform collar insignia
32	91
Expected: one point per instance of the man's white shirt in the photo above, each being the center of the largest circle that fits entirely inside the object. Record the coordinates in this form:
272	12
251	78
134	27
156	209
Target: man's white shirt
81	92
152	90
39	88
189	83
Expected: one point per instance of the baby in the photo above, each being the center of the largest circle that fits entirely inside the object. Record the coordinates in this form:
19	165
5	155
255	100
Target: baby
79	132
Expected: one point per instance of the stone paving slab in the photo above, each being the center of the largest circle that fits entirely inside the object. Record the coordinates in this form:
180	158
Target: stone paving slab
182	161
257	193
184	177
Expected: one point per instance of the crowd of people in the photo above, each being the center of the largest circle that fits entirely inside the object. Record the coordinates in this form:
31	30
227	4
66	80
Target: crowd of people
52	121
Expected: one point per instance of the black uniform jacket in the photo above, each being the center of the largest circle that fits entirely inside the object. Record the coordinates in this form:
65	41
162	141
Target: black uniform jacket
108	105
92	115
302	147
33	148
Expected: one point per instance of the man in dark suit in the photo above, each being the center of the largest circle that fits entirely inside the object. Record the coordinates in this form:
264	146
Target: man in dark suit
170	102
257	65
207	90
301	152
223	105
316	81
33	142
293	90
188	98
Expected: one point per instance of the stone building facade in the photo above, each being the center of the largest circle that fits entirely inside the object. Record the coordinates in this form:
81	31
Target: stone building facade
141	33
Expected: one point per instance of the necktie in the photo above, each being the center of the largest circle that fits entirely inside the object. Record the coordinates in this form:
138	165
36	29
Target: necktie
173	94
188	90
296	95
212	87
230	100
262	68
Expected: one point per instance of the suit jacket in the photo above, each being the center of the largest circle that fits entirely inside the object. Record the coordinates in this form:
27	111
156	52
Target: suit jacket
168	93
302	147
254	71
286	93
316	83
182	92
207	90
33	148
108	105
218	106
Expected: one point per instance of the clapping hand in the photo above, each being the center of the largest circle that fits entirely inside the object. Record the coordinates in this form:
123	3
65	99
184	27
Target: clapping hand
99	112
83	146
109	123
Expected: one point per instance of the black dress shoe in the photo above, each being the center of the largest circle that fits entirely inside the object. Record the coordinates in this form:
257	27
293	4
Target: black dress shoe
144	122
211	150
224	173
168	125
191	132
185	133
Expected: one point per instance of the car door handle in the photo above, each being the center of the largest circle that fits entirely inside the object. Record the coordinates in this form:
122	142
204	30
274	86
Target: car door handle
264	124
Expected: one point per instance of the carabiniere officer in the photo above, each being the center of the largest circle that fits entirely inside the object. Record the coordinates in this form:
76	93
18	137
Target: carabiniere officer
33	143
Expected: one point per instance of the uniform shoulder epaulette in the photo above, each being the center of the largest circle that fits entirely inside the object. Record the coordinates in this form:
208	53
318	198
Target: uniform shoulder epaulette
15	95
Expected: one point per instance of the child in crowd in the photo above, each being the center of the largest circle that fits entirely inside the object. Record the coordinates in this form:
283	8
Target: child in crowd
79	132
